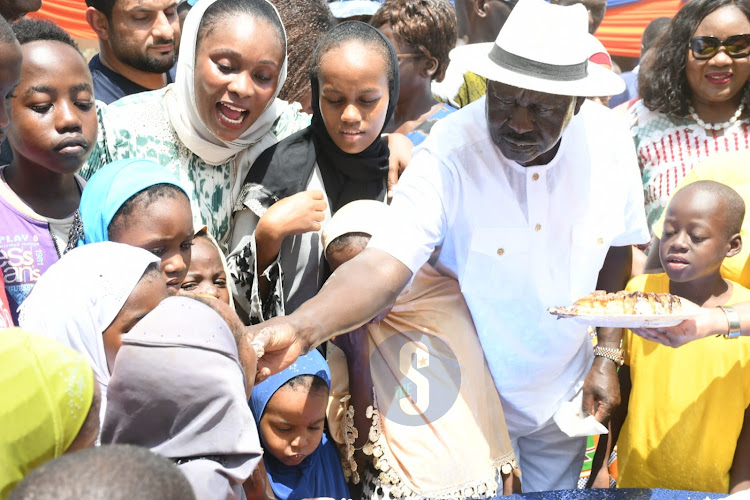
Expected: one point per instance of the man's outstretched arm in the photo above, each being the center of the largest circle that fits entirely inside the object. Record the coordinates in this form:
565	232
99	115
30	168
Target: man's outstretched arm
351	297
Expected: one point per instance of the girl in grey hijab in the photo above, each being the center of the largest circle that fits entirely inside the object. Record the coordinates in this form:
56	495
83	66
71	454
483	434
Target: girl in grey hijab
178	388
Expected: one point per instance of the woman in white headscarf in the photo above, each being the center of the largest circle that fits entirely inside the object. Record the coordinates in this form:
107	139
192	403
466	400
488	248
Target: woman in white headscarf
91	297
219	115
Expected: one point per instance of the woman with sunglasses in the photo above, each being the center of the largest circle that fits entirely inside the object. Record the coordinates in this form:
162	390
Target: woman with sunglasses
694	93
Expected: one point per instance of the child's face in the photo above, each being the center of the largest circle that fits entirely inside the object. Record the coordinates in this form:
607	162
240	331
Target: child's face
166	230
694	242
292	423
206	275
10	76
53	119
353	95
144	298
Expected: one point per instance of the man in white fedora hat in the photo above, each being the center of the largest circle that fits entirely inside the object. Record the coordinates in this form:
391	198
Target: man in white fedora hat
530	197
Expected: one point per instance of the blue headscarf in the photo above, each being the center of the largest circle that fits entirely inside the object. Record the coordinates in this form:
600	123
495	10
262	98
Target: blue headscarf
110	187
320	474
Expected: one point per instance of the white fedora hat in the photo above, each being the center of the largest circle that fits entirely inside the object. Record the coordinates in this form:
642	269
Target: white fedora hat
542	47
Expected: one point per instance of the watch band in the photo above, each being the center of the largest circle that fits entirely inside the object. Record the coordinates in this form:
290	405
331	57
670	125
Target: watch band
734	322
614	354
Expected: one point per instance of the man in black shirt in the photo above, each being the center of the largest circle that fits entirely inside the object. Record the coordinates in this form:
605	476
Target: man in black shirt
138	41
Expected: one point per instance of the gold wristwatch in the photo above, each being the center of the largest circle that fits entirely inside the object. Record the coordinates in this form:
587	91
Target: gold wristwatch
616	355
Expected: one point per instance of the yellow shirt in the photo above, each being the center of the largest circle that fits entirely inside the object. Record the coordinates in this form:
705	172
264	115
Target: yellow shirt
686	406
730	169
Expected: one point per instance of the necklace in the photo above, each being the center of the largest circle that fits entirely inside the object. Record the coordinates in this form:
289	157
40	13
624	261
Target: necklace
716	126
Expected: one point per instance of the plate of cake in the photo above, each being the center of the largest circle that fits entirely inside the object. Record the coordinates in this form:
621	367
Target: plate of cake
629	309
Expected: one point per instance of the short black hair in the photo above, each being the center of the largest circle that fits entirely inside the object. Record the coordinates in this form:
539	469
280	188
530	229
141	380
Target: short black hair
428	26
346	241
354	31
653	31
114	472
306	21
662	79
103	6
307	381
733	205
227	9
141	201
29	30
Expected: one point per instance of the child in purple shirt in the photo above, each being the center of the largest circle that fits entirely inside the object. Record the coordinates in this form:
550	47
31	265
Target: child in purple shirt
51	133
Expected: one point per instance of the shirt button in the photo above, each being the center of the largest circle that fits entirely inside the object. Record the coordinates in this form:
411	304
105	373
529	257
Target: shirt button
538	228
535	177
600	241
500	251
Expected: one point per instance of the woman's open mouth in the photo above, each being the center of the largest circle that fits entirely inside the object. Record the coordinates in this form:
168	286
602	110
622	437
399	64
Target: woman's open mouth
231	116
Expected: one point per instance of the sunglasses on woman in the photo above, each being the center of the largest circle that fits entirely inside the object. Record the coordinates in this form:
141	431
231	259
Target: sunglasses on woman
706	47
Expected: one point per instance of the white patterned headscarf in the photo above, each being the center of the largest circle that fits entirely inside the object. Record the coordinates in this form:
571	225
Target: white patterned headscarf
183	111
80	295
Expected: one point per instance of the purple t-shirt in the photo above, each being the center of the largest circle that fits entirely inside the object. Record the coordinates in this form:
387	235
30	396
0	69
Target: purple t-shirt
27	249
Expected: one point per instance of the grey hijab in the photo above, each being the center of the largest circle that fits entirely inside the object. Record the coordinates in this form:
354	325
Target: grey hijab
178	388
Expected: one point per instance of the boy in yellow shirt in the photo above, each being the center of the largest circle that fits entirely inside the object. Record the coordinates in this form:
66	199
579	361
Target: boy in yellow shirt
684	421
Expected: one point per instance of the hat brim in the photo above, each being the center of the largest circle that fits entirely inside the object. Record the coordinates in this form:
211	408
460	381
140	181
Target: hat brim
599	81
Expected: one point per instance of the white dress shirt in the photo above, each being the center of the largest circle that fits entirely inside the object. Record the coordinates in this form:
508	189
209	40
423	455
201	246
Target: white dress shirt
520	240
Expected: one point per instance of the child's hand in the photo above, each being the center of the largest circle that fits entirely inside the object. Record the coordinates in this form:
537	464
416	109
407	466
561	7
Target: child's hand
297	214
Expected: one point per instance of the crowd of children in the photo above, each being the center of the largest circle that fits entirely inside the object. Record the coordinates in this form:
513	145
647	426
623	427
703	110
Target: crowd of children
127	295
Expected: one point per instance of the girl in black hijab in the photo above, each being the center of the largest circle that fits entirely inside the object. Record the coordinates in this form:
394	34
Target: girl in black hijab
294	186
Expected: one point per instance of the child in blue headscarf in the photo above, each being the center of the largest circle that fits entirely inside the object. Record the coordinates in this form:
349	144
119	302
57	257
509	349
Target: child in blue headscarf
290	409
140	203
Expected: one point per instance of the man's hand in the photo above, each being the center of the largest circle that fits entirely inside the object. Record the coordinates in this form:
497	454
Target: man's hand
278	345
711	321
400	148
601	390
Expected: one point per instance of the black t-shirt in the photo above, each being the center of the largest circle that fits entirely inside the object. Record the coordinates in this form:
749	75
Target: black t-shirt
110	86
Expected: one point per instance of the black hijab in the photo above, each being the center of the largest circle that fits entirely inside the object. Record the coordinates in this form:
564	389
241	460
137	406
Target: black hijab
285	168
